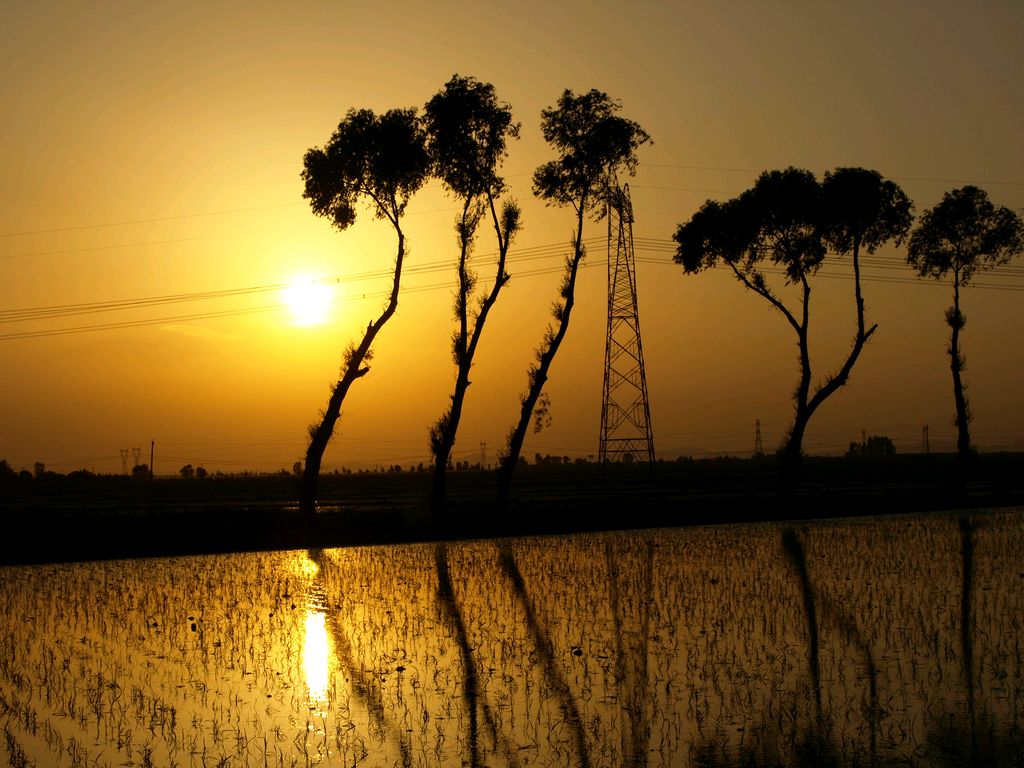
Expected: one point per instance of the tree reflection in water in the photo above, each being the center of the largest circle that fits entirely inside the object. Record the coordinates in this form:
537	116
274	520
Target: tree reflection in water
894	641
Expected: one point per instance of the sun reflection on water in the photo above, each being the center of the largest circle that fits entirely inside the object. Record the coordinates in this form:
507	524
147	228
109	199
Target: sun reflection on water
316	644
316	657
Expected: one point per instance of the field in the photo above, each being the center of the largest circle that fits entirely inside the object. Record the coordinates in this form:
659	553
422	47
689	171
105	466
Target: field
878	641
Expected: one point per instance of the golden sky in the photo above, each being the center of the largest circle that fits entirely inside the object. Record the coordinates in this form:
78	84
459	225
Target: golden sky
152	150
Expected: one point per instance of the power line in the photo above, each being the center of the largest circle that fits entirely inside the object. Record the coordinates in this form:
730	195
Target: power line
521	256
68	310
71	310
128	222
148	243
133	323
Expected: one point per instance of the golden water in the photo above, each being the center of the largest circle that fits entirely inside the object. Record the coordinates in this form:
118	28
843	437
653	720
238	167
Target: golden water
839	643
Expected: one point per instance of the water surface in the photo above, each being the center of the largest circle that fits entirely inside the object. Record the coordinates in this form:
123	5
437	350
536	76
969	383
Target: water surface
870	642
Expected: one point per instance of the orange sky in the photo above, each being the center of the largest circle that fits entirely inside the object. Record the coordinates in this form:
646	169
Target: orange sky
152	150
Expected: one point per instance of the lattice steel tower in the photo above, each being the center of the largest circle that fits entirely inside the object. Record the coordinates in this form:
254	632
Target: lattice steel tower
625	413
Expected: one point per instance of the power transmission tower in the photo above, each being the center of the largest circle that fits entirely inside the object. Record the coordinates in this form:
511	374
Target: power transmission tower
924	440
124	461
758	445
625	413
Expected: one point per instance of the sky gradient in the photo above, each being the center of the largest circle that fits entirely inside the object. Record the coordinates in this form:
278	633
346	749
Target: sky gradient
154	151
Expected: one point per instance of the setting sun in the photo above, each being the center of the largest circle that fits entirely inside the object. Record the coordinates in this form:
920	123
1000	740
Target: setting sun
308	300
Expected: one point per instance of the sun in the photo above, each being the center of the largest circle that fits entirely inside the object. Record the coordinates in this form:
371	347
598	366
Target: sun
308	300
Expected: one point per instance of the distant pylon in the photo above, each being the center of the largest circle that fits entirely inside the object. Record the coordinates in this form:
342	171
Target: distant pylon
625	413
124	461
924	440
758	445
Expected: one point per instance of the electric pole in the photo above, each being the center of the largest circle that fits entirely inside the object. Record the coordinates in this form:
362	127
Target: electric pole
625	412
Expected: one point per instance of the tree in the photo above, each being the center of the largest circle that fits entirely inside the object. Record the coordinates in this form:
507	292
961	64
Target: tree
963	234
382	160
467	131
872	447
188	471
593	143
791	221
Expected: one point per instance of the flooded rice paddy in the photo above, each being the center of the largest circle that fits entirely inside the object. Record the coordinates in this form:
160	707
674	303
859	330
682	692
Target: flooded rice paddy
890	641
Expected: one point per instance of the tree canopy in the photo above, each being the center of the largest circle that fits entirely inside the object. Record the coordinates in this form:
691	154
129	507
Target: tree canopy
778	219
963	234
863	210
592	142
467	132
383	157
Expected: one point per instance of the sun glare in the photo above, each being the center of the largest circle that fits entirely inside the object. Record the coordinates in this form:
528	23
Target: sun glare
308	300
316	657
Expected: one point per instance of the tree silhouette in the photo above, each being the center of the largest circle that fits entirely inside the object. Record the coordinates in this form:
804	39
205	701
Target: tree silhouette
593	143
791	221
963	234
467	130
382	159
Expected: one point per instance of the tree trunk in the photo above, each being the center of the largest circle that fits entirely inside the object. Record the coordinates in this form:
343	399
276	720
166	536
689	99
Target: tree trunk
320	435
443	433
956	365
806	404
466	350
443	449
792	452
540	375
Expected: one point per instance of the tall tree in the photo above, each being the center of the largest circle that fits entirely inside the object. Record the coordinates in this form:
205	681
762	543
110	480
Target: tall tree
791	221
963	234
383	160
467	133
593	143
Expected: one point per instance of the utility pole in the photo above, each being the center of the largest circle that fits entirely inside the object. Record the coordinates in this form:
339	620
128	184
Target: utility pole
924	440
758	445
152	446
625	412
483	454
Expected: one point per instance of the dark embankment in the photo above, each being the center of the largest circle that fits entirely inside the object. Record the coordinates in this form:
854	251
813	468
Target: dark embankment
85	517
